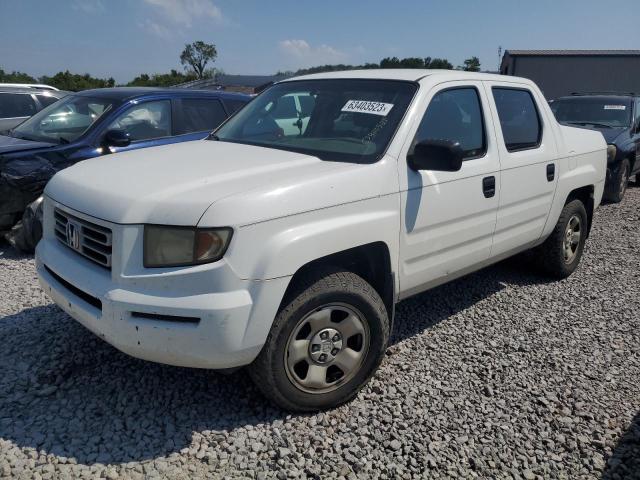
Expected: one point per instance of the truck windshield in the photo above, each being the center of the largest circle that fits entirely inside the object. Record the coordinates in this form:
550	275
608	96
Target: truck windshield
593	111
337	120
63	121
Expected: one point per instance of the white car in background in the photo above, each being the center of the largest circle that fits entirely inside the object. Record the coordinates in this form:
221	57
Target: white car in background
285	247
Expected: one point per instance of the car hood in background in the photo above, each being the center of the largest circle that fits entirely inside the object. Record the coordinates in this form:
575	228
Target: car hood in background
12	144
176	184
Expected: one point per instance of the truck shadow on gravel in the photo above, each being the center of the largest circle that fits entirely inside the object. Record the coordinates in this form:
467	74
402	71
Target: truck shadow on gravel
624	462
67	393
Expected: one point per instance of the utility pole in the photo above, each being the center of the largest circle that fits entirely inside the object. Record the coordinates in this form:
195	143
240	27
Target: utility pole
499	58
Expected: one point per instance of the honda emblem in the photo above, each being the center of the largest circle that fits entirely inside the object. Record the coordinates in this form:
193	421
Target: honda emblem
73	235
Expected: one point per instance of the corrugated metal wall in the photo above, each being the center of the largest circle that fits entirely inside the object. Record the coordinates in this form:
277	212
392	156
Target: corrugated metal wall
563	75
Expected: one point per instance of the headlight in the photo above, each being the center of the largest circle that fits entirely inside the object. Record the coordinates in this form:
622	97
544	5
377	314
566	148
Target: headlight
611	152
180	246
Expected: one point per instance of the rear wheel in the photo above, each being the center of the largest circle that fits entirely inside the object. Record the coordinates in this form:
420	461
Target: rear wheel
619	182
560	254
324	344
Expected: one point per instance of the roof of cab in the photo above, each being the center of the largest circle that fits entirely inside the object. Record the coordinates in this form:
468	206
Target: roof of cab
126	93
407	74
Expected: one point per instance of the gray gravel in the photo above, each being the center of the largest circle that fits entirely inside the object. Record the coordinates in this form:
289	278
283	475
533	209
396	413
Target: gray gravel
502	374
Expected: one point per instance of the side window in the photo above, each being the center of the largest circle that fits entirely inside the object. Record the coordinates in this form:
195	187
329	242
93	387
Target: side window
455	115
46	100
285	108
234	105
145	121
201	115
519	119
16	105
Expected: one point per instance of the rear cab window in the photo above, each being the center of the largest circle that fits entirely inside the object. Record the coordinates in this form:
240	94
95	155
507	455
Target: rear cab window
519	118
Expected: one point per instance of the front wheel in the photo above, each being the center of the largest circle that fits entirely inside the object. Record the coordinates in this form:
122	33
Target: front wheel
560	254
325	343
619	182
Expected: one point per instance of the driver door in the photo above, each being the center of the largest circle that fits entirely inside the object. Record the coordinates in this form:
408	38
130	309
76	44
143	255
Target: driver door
449	218
147	124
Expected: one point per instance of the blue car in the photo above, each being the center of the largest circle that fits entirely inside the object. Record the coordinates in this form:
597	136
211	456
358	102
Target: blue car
92	123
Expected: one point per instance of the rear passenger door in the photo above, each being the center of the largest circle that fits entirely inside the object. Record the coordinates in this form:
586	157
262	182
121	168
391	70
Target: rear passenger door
448	218
529	169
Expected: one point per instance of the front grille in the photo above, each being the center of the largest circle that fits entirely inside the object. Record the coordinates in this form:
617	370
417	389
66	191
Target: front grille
88	239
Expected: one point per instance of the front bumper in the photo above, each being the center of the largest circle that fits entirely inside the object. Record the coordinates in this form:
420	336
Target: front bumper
201	316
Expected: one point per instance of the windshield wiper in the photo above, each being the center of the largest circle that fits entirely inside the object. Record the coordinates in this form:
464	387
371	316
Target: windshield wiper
595	124
213	136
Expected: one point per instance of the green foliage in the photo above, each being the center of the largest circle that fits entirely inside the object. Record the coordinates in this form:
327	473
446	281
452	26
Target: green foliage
161	79
471	64
15	77
75	82
388	62
440	63
197	55
332	68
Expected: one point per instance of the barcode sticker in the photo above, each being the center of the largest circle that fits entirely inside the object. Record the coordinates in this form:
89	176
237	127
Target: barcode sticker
615	107
365	106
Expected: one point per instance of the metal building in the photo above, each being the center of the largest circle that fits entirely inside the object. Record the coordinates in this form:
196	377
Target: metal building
562	72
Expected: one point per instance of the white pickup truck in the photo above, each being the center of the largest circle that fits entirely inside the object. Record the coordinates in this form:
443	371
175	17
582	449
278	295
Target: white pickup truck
285	249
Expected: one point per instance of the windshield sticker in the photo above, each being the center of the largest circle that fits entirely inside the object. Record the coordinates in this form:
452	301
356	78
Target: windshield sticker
364	106
615	107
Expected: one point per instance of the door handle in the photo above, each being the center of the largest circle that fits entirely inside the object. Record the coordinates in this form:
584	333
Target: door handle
489	186
551	172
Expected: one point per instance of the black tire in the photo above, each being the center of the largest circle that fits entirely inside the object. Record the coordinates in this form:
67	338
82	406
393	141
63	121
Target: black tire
551	254
25	235
619	182
269	370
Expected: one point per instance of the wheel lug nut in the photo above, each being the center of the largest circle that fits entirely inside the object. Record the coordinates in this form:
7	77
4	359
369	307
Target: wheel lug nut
324	335
315	348
336	337
334	351
323	357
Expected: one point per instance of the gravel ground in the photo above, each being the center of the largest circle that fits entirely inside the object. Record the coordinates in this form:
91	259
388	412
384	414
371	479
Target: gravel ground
502	374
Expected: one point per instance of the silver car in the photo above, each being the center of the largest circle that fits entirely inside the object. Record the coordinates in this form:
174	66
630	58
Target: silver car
19	103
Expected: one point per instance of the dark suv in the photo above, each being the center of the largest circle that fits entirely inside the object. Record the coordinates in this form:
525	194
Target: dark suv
617	116
19	103
93	123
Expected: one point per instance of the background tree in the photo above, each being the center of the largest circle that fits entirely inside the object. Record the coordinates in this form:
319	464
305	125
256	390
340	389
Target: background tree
440	63
161	79
472	64
15	77
197	55
74	82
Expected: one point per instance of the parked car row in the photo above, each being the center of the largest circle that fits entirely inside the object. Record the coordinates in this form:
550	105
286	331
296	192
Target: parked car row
89	124
283	241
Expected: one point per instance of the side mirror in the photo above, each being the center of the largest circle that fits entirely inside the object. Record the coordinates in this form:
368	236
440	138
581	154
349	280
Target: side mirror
439	155
116	138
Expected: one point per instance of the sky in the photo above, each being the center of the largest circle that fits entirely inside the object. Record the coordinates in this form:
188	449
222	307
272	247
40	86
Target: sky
123	38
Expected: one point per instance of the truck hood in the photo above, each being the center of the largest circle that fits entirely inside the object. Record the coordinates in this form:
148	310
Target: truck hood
12	144
176	184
